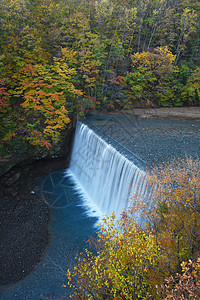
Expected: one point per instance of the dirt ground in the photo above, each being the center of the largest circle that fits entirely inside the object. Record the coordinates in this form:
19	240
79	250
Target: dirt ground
186	113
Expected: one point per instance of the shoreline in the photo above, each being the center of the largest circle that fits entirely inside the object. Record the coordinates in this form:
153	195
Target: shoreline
24	219
173	113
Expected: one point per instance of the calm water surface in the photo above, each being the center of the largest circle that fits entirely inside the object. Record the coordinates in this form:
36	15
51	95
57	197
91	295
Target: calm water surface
70	226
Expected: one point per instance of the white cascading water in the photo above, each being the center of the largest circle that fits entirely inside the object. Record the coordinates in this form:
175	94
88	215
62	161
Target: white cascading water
104	175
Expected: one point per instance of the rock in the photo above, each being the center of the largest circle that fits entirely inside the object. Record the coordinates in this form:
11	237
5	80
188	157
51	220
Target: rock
13	179
10	192
20	158
6	203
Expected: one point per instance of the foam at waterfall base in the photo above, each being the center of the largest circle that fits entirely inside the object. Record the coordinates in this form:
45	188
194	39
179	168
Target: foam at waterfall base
103	176
90	208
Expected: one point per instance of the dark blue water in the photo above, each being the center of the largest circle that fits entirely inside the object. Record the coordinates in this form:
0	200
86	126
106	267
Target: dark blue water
70	226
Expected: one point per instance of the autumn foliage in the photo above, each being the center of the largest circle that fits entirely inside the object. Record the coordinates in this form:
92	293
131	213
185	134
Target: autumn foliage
119	268
157	261
65	58
176	215
185	285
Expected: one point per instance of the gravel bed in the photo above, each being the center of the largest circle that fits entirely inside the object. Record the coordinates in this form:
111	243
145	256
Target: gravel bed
153	140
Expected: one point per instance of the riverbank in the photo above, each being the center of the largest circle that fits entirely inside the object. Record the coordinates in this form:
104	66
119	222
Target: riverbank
173	113
24	218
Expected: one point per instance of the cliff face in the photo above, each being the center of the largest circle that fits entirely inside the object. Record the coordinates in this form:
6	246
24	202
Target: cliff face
23	157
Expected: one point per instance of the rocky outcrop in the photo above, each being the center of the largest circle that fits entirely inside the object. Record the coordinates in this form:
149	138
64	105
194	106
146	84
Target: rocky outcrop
31	155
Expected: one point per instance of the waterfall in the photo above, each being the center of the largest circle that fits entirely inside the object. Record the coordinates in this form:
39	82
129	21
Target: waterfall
103	174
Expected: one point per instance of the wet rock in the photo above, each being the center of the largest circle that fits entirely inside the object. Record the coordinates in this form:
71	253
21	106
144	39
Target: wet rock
10	192
6	203
19	158
13	179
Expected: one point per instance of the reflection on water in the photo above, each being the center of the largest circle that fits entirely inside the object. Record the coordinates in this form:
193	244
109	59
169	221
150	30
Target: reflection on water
70	226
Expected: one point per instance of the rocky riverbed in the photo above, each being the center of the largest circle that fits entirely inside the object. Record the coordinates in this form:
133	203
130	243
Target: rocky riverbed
154	135
24	218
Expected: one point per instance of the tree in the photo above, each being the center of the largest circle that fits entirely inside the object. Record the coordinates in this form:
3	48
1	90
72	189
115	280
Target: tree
191	91
118	269
187	27
151	73
47	91
6	125
174	214
185	285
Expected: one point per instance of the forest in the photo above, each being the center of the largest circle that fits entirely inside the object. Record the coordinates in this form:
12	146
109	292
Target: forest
60	59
